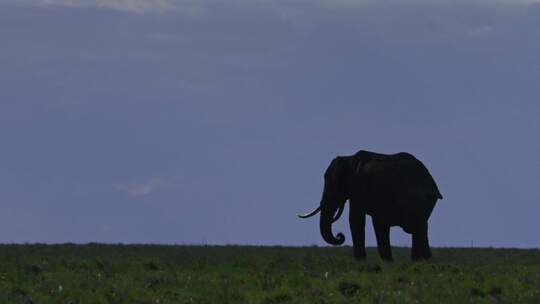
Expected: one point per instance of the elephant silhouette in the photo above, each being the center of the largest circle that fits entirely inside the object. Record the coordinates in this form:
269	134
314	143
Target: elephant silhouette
394	189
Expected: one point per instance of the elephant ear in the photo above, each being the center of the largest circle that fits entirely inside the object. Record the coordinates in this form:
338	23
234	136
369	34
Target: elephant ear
339	172
339	169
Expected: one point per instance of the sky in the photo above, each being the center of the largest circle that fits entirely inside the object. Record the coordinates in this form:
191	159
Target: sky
212	122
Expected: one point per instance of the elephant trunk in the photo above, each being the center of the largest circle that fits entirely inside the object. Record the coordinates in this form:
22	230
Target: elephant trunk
327	218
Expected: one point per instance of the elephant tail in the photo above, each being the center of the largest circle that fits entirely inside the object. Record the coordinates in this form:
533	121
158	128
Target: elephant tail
436	188
435	193
430	181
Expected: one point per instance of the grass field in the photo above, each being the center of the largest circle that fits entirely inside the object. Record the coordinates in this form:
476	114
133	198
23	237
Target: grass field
97	273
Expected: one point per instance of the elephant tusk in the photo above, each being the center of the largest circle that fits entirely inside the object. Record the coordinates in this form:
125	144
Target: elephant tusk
338	214
312	213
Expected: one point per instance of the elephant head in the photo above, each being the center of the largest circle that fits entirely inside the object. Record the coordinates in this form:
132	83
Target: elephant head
334	196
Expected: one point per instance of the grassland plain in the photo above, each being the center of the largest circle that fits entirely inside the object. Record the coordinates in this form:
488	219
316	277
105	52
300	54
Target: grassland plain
97	273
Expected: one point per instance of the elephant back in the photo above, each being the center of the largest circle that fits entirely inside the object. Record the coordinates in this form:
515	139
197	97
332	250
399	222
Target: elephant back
399	175
414	177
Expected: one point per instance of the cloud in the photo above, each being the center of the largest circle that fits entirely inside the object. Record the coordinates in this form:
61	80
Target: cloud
197	7
164	37
133	6
142	189
481	30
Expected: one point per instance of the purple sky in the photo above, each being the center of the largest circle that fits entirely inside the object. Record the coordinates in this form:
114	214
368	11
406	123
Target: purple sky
202	122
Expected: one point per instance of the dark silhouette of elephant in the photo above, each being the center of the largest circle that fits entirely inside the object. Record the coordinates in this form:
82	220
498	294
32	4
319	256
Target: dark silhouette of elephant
394	189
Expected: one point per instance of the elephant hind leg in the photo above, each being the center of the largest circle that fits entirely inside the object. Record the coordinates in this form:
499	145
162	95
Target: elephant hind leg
382	233
420	243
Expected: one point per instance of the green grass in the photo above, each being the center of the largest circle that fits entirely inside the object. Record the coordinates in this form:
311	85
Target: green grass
235	274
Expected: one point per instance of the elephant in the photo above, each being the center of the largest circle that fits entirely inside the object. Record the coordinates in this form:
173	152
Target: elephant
393	189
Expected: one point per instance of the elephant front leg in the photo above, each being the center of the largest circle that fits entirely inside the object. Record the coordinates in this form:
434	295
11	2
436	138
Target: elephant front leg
420	243
382	233
357	223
